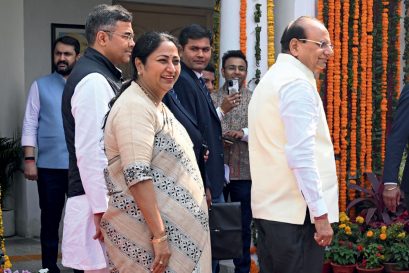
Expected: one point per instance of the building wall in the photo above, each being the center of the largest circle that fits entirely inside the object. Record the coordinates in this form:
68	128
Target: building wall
11	65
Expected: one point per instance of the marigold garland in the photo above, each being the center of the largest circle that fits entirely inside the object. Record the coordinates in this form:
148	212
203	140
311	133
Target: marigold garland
344	96
356	91
406	42
330	71
384	101
243	26
363	87
369	97
270	33
216	41
397	48
7	263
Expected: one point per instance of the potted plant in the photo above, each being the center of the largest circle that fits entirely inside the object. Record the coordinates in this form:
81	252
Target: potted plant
399	253
343	252
10	162
372	258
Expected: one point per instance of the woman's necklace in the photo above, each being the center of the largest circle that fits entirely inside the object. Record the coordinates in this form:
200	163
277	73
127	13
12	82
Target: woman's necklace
150	95
156	102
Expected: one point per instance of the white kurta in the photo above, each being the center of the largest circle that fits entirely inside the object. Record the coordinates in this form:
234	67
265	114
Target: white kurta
89	104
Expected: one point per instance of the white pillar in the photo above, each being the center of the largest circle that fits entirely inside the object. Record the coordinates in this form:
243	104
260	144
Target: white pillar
304	7
229	29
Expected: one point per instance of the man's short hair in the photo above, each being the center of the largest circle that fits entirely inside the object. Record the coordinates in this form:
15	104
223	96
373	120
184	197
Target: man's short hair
295	29
210	67
68	40
233	54
104	17
194	32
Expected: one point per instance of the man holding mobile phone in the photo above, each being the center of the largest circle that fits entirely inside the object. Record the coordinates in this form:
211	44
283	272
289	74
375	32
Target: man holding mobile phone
235	134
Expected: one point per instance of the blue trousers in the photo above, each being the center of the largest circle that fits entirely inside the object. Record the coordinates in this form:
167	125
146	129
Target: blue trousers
52	189
240	191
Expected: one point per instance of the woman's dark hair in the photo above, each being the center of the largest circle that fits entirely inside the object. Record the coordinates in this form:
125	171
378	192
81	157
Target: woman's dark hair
144	46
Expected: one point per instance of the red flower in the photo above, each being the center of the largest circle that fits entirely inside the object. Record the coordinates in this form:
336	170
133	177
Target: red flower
379	247
360	248
378	254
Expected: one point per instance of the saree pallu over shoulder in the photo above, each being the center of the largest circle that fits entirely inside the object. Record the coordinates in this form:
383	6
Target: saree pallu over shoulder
180	197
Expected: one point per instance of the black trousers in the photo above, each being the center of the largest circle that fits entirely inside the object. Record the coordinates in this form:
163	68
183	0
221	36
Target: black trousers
240	191
52	190
288	248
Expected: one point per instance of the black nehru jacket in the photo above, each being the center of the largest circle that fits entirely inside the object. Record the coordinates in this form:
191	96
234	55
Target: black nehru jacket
91	62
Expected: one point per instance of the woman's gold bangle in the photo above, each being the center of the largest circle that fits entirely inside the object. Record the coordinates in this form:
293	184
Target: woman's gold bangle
391	189
159	240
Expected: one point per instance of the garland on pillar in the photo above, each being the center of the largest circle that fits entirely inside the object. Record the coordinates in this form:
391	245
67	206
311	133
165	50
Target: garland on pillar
365	34
406	41
369	98
362	88
243	26
344	97
216	41
270	33
257	49
384	101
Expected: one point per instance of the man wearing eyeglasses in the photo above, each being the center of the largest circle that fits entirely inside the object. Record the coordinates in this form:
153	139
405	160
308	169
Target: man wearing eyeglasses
92	84
294	191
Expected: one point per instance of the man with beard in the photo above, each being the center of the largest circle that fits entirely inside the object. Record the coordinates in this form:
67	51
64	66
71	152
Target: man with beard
43	129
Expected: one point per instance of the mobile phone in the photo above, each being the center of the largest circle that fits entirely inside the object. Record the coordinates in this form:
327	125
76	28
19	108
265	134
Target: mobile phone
233	86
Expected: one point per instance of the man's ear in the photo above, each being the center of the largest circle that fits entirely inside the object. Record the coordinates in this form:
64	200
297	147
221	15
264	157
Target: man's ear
78	56
222	70
294	47
102	38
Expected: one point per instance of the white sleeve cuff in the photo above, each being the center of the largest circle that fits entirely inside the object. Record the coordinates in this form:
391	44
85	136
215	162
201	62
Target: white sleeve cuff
220	113
29	141
245	134
318	208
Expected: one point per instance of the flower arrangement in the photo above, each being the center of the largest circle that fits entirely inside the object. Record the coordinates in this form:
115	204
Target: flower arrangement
396	246
370	244
343	250
372	256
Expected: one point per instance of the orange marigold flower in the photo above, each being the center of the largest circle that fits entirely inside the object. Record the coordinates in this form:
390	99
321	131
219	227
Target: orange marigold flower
382	236
369	233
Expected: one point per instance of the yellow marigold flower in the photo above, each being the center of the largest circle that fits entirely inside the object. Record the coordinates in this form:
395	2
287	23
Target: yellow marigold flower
360	220
342	226
348	232
383	229
347	229
382	257
402	235
369	233
382	236
7	263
